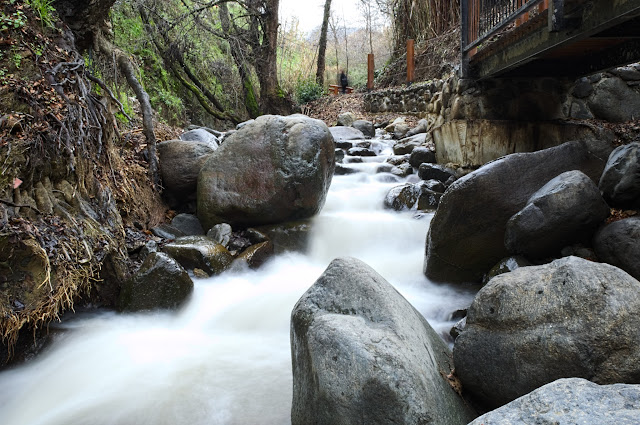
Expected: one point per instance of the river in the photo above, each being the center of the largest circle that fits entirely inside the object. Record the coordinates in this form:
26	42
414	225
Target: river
224	358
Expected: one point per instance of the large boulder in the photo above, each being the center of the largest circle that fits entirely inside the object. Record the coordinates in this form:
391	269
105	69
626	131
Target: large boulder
529	327
613	100
570	401
199	252
366	127
466	236
413	196
566	210
620	181
274	169
180	162
618	243
187	224
346	119
363	355
160	283
408	144
420	155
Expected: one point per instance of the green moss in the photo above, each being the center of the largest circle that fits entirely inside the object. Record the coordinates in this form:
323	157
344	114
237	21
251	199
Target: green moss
250	100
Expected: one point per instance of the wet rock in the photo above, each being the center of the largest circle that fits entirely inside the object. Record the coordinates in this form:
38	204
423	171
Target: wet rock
390	128
199	252
346	119
342	134
506	265
188	224
420	155
160	283
435	185
618	243
360	152
272	170
200	135
438	172
407	145
410	196
620	181
627	73
458	328
256	255
462	247
363	354
291	236
339	155
167	231
344	144
529	327
148	248
566	210
421	127
366	127
384	168
402	170
220	233
343	170
570	401
180	162
398	159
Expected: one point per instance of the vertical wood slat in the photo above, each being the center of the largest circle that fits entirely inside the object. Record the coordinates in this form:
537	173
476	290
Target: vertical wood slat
370	68
410	61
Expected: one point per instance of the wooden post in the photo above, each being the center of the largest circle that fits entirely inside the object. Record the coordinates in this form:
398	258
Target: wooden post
370	67
410	61
543	6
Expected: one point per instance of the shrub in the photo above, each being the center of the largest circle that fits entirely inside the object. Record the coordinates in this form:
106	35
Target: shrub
308	90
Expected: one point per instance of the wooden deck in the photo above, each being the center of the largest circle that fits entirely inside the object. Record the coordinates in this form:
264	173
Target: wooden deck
534	38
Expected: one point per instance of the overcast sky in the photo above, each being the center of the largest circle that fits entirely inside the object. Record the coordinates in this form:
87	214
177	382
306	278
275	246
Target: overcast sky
309	12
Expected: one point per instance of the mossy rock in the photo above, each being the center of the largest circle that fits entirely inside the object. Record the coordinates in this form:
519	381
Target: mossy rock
256	255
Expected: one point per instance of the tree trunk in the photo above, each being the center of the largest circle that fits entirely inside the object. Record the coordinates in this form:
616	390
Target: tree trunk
322	47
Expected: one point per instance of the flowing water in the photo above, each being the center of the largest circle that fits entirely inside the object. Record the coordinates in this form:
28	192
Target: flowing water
224	358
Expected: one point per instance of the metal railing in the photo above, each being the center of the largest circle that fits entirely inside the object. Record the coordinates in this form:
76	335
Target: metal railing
482	19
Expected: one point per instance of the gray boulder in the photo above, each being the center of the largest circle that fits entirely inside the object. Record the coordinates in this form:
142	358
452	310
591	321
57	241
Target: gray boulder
345	134
566	210
366	127
420	155
412	196
200	135
620	182
570	401
427	171
618	243
407	145
363	355
421	127
160	283
199	252
466	235
167	231
274	169
357	151
346	119
613	100
180	162
220	233
569	318
188	224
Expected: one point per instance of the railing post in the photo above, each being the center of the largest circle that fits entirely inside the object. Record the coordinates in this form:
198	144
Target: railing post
556	15
464	37
370	68
410	61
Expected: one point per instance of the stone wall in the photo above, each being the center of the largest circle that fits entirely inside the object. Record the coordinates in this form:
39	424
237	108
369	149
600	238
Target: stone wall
473	122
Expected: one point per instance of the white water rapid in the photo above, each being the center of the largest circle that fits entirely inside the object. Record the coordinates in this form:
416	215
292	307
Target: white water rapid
225	357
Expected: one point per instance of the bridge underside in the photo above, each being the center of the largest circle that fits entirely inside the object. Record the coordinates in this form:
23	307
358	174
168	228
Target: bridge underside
584	38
